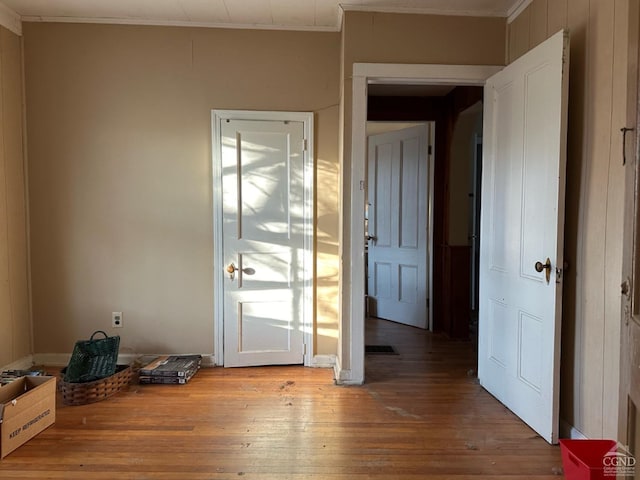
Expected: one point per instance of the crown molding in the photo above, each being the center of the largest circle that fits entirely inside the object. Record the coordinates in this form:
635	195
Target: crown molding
10	19
13	21
172	23
422	11
517	9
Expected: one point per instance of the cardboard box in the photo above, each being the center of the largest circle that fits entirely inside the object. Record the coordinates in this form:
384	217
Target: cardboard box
27	407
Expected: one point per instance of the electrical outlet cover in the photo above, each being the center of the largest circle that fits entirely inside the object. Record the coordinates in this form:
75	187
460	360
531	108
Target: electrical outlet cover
116	319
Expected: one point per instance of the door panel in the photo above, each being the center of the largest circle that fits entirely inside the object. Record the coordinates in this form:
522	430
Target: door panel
263	195
530	352
522	222
409	284
256	332
398	191
410	194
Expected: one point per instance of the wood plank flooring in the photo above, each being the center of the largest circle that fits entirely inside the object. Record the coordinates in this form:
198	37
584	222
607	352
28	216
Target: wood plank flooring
421	415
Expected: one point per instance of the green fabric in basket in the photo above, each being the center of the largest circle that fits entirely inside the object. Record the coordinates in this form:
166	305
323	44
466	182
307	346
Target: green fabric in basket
93	359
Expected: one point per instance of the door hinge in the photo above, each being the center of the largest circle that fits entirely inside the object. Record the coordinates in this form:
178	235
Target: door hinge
428	303
304	348
362	185
430	150
305	146
624	131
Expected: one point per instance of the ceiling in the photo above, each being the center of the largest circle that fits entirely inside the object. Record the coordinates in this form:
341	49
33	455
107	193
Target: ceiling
274	14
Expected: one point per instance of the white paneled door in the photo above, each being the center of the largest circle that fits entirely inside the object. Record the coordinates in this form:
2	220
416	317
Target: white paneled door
522	225
398	192
263	199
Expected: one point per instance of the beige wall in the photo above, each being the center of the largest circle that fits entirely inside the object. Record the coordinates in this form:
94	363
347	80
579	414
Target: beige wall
120	172
595	199
401	38
15	323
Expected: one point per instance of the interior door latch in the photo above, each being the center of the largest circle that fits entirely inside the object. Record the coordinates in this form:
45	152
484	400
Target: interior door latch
539	266
231	270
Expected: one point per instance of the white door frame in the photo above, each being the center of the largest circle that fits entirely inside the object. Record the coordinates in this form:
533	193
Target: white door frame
218	116
352	288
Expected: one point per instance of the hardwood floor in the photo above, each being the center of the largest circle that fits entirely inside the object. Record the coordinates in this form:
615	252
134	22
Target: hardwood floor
421	415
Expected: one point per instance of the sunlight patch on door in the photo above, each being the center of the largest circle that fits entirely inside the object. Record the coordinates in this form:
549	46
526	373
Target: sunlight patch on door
270	270
260	189
264	326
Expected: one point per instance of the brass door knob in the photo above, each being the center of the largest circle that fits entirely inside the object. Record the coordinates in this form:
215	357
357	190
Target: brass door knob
231	270
539	266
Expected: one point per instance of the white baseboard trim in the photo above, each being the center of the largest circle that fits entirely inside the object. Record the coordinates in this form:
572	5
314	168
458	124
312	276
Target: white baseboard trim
52	359
342	376
62	359
323	361
24	363
208	360
569	431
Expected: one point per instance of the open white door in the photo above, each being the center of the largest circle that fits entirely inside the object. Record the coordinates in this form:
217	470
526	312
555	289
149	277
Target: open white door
265	245
399	191
522	229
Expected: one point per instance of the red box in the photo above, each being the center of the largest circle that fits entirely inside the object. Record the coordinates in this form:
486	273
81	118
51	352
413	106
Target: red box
583	459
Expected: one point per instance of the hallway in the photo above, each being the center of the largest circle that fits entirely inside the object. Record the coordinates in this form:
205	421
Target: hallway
457	427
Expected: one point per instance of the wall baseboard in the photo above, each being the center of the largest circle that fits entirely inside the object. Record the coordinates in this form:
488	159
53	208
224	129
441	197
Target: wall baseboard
569	431
24	363
208	360
342	376
52	359
62	359
323	361
336	370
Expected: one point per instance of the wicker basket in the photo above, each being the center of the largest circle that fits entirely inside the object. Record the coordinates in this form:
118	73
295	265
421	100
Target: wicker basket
90	392
93	359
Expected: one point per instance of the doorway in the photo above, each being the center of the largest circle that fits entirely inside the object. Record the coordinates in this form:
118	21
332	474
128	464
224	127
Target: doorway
351	370
454	115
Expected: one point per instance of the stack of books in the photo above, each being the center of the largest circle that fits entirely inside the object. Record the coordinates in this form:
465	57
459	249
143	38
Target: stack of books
170	369
9	376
